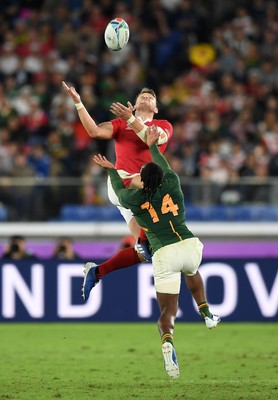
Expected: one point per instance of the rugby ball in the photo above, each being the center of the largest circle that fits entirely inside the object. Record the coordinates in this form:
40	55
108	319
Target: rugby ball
116	34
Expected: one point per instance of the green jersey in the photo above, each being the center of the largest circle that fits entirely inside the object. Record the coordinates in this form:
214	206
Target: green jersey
163	219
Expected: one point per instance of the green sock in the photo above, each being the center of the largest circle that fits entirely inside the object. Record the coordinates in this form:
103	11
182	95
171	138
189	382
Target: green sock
167	337
204	310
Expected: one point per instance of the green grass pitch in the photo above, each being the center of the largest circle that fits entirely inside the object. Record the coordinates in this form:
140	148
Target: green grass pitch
75	361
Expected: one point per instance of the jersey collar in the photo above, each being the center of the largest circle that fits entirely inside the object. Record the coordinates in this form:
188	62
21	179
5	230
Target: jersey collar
144	120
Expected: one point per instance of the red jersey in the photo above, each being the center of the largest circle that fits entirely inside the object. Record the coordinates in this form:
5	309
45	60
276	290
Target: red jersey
131	152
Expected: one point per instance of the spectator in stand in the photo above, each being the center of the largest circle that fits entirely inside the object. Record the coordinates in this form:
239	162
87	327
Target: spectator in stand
9	60
17	249
22	193
64	249
40	161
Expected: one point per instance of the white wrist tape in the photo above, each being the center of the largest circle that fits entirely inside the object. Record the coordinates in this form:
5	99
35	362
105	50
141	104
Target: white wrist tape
79	105
131	119
163	137
142	133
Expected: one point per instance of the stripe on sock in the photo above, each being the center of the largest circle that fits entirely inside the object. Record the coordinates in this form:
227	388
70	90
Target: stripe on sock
167	337
202	305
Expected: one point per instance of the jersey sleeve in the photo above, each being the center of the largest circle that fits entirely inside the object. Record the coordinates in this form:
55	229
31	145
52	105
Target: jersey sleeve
166	126
116	180
127	197
172	177
117	123
121	191
159	159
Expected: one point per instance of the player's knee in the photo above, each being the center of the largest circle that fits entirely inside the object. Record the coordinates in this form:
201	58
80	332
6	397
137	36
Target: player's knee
191	271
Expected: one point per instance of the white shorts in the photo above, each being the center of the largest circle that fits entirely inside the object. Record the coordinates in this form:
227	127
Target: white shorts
126	213
172	260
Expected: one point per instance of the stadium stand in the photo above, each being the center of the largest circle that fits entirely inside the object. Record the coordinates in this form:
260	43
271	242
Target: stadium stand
259	213
3	213
218	87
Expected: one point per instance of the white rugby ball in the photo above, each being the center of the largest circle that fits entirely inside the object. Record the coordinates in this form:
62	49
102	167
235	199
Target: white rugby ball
116	34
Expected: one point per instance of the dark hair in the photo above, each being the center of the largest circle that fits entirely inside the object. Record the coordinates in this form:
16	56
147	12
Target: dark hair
16	238
152	177
146	90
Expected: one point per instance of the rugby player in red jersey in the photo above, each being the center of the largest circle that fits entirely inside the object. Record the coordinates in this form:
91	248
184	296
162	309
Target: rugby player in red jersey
129	134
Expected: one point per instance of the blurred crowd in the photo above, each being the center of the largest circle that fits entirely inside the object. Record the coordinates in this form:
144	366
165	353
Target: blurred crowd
17	248
213	65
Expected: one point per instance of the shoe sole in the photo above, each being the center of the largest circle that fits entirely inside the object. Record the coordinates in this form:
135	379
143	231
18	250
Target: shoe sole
88	266
171	368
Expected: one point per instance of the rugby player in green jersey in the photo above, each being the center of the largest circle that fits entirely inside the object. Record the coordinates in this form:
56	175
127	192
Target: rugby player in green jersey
159	209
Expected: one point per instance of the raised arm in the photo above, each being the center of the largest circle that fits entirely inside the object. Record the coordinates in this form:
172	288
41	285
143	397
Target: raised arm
152	136
116	180
101	131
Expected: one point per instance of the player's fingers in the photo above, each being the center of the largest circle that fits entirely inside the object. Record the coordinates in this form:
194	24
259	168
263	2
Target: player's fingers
121	107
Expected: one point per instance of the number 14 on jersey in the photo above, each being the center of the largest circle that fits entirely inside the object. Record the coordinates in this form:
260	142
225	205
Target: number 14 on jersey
167	206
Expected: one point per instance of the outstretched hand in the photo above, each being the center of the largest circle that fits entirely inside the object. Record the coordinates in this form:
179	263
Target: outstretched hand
103	162
152	135
72	92
122	111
